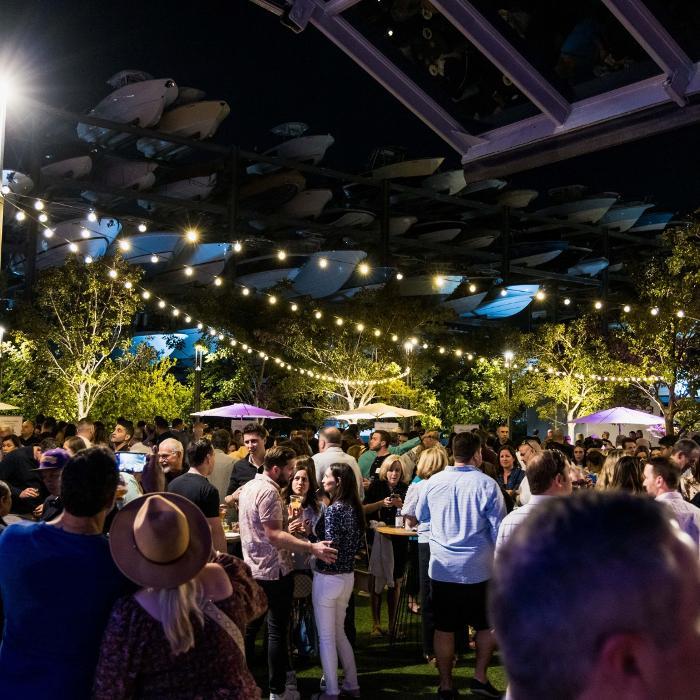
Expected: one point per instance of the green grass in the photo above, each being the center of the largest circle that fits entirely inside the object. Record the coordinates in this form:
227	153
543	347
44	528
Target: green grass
386	671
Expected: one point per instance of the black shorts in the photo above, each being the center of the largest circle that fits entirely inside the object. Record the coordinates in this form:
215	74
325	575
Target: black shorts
456	605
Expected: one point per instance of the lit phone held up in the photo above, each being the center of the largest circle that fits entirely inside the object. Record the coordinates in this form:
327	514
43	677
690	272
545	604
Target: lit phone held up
131	462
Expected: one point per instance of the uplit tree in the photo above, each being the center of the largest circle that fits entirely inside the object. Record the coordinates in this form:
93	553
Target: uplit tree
659	336
79	328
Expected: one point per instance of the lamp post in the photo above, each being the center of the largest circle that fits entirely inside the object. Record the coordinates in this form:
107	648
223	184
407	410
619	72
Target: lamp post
4	91
198	355
508	363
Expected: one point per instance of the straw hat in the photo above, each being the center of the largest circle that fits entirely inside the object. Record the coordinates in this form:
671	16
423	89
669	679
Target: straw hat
160	540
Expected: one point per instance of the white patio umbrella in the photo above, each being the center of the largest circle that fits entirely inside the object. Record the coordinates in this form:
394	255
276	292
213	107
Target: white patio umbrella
620	416
7	407
374	411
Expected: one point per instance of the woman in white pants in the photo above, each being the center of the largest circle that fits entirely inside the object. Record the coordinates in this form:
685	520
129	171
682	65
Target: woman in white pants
343	524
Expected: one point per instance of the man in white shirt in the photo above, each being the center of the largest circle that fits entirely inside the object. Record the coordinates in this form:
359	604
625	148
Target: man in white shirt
661	479
548	475
330	452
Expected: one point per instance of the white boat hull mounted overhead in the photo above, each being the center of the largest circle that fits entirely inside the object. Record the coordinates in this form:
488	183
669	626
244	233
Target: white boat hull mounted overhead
349	218
591	267
583	211
423	167
267	278
19	183
91	238
71	168
623	217
398	225
465	305
194	188
326	272
303	149
307	204
136	104
516	298
429	285
143	246
122	174
450	182
652	222
206	260
517	199
197	120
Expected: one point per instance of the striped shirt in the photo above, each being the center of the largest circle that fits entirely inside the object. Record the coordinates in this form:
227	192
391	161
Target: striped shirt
465	508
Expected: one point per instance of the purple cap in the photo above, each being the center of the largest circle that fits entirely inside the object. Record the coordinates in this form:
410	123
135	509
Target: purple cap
56	458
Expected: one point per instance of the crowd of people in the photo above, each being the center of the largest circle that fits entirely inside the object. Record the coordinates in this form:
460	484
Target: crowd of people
144	563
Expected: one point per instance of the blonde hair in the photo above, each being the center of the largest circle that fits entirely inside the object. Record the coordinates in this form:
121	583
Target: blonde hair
176	607
431	461
387	466
607	472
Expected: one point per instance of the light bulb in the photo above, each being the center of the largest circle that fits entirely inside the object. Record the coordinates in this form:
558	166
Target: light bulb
199	326
88	259
176	312
113	274
567	301
439	280
188	319
146	294
598	305
43	218
472	288
504	292
360	327
189	271
627	308
217	281
394	337
124	244
39	205
540	295
655	311
191	235
363	268
273	299
318	315
154	258
339	321
143	228
237	247
441	351
322	263
281	255
680	313
245	291
399	276
92	216
294	307
73	247
85	233
128	284
5	189
20	216
48	232
161	304
377	332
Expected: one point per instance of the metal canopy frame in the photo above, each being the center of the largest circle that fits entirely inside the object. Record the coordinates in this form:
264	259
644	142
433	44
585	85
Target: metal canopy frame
537	138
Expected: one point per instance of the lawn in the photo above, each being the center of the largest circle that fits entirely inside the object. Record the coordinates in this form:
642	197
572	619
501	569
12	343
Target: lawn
387	671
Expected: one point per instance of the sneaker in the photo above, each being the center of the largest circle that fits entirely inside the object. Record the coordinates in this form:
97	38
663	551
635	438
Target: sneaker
291	681
287	695
485	690
322	684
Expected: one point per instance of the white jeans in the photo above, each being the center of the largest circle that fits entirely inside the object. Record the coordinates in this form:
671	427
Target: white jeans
331	593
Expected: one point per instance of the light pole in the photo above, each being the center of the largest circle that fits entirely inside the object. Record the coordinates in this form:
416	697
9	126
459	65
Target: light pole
4	91
508	363
198	355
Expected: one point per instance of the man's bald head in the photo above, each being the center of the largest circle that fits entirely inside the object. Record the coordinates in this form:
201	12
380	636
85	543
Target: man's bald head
331	435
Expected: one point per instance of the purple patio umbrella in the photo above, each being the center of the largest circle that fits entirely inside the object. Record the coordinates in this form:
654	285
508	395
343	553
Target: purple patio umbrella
239	410
621	416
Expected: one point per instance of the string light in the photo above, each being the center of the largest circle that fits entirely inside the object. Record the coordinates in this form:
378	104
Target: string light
92	217
245	291
154	258
73	247
146	294
680	313
85	233
294	307
237	247
217	281
142	228
567	301
281	255
339	321
161	304
598	305
540	295
192	235
273	299
627	308
318	315
399	276
20	216
88	259
38	205
472	288
124	244
113	274
363	268
654	311
43	218
360	327
48	232
504	292
189	271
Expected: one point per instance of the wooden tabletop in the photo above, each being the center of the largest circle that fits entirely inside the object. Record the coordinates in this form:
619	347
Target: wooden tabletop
398	531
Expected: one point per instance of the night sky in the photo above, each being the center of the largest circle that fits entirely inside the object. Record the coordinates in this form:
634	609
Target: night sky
236	51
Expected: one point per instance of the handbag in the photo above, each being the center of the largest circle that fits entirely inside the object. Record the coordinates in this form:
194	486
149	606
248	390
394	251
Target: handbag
226	623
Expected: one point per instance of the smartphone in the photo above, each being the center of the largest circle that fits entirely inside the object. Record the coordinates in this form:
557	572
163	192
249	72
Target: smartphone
131	462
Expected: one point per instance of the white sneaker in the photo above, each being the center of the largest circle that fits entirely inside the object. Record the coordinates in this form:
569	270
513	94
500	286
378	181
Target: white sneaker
287	695
322	684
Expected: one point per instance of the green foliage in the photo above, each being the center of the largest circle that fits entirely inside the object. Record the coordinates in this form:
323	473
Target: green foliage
663	344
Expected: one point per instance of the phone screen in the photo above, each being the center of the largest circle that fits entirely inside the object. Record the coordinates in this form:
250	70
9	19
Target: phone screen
132	462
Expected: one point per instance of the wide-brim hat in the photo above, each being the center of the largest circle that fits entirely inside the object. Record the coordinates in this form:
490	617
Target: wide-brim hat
160	540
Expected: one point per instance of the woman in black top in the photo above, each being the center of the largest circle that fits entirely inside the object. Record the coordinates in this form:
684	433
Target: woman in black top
342	524
383	498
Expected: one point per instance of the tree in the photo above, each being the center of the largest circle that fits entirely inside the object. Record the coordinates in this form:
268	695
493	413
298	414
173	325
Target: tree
659	336
79	326
566	359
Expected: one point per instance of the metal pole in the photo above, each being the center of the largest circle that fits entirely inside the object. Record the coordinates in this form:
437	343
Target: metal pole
3	115
197	378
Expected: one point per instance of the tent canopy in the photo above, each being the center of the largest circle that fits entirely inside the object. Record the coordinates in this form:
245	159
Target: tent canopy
621	415
376	410
239	410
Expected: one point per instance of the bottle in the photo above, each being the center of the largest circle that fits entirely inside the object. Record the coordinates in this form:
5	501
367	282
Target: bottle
398	521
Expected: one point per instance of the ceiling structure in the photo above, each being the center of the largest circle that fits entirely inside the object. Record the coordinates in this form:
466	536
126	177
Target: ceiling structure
493	84
549	106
